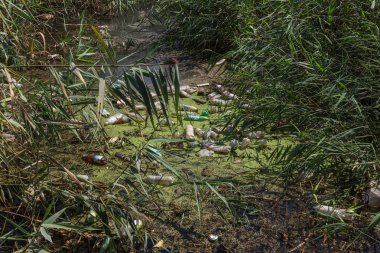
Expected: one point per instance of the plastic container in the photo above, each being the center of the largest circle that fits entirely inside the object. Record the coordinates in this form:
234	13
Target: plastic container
95	159
118	119
160	180
195	118
199	132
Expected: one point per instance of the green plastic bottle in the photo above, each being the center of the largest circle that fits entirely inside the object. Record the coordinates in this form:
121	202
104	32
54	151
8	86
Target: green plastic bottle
195	118
205	113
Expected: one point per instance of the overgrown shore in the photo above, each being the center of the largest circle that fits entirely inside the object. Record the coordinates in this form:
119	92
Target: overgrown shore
245	126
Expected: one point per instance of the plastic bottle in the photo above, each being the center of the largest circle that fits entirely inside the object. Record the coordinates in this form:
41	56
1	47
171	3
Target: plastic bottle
220	149
190	132
195	118
334	212
184	94
161	180
117	119
188	108
123	157
95	159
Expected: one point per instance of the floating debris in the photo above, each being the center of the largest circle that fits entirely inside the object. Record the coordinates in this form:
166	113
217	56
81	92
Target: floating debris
216	109
193	144
214	95
245	143
188	108
234	144
213	238
199	101
204	113
105	113
113	140
195	118
229	95
220	102
118	119
220	149
184	94
203	85
120	104
123	157
372	197
199	132
95	159
205	153
191	90
161	180
189	132
334	212
140	107
84	178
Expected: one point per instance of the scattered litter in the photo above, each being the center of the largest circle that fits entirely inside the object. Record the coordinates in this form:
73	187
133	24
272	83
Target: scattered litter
189	132
54	56
220	102
105	113
210	135
199	132
193	144
117	119
184	94
214	95
161	180
120	104
204	113
205	153
140	107
220	88
191	90
123	157
84	178
372	197
220	149
203	85
334	212
76	72
213	238
159	245
216	109
220	62
195	118
245	143
95	159
188	108
229	95
234	144
113	140
199	101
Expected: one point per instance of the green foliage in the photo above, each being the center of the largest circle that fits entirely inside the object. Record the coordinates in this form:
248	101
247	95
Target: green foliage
211	25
